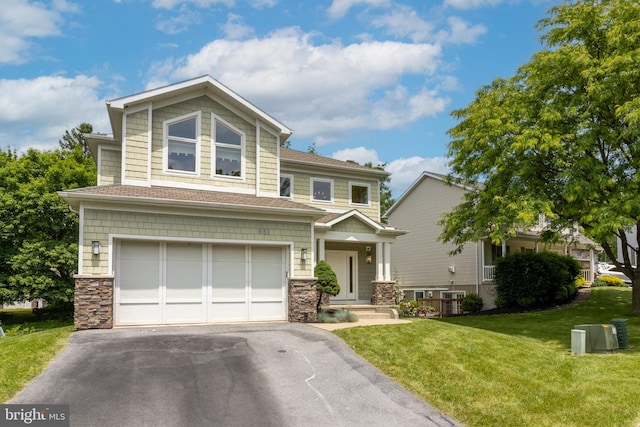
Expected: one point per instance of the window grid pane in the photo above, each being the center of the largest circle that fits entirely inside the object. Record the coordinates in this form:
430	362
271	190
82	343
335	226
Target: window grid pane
321	190
228	161
224	135
359	195
285	186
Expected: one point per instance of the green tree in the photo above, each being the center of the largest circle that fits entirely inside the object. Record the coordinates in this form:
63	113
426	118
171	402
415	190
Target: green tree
74	139
327	281
559	138
38	231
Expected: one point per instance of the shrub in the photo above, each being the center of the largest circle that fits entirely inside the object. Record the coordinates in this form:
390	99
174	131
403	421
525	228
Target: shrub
472	303
611	281
414	309
337	316
598	283
525	279
580	282
327	281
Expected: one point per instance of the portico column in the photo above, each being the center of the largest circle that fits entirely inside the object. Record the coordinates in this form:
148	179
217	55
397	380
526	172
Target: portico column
387	261
379	262
320	249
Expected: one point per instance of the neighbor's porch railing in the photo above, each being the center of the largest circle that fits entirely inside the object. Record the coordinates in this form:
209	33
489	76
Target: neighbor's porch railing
489	274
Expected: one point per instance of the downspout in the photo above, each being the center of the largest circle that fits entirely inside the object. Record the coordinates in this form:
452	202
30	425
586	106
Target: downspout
477	272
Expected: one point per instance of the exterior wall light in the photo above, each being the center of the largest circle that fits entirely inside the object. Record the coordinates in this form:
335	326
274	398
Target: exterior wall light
369	259
95	247
303	254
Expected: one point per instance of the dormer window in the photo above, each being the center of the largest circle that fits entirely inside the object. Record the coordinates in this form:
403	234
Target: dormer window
229	149
182	144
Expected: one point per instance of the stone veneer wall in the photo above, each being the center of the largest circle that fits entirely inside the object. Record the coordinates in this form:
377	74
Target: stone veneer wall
93	305
382	293
303	297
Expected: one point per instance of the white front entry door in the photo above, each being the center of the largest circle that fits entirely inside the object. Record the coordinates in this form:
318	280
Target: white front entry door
345	265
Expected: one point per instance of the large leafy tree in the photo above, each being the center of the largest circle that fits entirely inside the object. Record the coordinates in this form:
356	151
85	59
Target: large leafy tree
38	231
559	138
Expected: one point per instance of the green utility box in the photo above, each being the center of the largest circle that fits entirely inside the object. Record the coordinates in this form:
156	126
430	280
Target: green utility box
600	338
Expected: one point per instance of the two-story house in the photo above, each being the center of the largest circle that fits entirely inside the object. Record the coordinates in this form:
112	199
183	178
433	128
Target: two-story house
201	215
423	266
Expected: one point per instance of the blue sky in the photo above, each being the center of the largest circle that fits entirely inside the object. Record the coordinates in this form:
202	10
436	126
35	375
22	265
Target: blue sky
366	80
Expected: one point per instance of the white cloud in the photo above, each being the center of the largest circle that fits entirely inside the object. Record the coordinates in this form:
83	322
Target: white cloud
170	4
261	4
360	155
35	113
471	4
339	8
21	21
404	22
460	32
235	29
405	171
320	90
179	23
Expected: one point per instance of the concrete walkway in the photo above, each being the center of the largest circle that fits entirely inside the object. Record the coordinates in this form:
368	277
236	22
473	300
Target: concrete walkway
360	322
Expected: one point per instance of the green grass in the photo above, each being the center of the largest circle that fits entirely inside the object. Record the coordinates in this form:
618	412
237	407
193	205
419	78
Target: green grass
24	356
513	370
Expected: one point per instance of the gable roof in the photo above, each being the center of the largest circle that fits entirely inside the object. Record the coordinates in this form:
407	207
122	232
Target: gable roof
332	219
174	197
425	175
203	85
303	158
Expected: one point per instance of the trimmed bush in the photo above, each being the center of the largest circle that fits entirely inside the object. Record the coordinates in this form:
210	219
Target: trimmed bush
327	281
472	303
580	282
611	280
530	279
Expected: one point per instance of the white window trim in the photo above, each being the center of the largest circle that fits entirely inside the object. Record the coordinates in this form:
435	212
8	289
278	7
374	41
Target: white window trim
290	176
312	181
359	184
215	144
165	144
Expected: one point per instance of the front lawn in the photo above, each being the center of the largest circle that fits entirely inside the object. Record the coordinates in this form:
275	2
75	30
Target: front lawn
513	370
27	349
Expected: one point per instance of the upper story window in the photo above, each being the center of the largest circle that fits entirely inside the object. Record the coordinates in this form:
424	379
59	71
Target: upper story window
359	194
182	143
286	186
229	149
321	190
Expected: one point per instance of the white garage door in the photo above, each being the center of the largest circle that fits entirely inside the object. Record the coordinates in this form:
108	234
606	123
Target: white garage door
170	282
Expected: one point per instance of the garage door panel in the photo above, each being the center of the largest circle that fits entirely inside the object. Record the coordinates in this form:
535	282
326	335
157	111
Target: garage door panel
139	266
184	272
267	272
228	311
229	273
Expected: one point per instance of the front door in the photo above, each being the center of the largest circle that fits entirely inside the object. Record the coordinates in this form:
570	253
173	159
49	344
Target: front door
345	265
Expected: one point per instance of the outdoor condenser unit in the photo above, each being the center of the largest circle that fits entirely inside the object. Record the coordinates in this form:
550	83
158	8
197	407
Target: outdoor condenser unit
599	338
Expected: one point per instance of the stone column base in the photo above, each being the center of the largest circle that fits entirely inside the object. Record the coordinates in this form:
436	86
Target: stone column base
303	297
93	305
383	292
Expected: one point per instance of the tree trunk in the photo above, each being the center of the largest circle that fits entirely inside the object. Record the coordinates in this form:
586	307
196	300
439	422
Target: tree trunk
635	295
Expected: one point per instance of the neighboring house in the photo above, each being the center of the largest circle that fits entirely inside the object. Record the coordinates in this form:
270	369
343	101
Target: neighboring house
422	264
201	216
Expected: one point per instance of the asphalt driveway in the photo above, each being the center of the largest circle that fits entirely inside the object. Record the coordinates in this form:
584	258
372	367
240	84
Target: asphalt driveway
223	375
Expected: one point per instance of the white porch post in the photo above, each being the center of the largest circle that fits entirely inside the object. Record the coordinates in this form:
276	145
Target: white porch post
387	261
320	249
379	262
504	248
483	260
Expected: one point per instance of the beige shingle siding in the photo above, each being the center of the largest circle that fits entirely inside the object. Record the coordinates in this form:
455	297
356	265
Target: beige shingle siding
341	201
352	225
206	106
136	146
110	167
269	163
98	224
418	257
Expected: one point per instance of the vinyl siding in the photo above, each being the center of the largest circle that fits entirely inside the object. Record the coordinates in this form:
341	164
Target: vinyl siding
418	258
110	169
99	224
136	146
269	163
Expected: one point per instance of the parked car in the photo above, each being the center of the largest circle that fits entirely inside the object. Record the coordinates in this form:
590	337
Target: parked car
611	270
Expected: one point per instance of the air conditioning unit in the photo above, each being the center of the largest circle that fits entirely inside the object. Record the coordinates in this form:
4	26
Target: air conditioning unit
599	338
